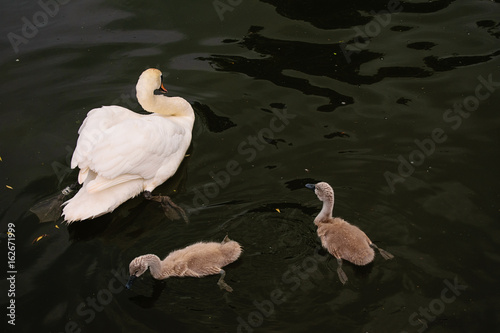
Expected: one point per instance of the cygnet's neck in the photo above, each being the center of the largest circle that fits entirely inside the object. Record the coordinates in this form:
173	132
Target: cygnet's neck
159	269
326	212
164	105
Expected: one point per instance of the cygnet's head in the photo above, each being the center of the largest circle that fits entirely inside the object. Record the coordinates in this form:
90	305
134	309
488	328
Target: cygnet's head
136	268
151	80
323	190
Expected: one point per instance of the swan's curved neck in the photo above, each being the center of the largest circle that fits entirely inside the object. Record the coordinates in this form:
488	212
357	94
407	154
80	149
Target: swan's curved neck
326	211
159	269
154	264
164	105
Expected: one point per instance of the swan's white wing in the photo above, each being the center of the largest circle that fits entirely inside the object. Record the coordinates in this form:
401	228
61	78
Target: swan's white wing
92	131
136	147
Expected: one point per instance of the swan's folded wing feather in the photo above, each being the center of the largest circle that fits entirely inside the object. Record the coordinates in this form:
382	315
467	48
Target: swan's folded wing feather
82	175
101	183
137	147
93	129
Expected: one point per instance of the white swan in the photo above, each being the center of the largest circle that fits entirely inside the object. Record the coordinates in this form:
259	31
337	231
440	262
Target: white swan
121	153
342	239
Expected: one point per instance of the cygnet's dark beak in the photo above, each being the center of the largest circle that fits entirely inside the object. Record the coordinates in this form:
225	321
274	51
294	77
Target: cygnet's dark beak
130	281
310	186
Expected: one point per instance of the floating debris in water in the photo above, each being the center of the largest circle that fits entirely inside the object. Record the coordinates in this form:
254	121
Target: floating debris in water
39	237
278	210
9	187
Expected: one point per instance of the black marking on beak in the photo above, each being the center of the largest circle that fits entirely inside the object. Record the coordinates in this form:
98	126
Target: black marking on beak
130	281
310	186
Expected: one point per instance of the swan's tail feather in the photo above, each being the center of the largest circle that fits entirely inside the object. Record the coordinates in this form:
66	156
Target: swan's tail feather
100	184
86	205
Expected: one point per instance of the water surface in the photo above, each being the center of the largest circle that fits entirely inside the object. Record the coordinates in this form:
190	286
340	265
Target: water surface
366	95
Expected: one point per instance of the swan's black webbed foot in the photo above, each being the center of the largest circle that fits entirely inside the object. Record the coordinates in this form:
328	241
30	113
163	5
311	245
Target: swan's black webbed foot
386	255
221	283
50	209
340	272
167	204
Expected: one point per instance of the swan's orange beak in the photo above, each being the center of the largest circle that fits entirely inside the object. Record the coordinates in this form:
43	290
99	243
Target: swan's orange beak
162	88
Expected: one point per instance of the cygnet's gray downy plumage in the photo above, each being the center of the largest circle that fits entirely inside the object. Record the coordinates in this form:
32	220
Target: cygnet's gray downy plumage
196	260
342	239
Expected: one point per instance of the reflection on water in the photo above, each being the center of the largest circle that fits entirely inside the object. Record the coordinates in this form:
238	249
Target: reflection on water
382	74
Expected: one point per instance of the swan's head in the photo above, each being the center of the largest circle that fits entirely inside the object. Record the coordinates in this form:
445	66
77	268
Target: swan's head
323	190
150	80
136	268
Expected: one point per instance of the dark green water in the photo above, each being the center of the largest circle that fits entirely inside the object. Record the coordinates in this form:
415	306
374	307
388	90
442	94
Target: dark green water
394	104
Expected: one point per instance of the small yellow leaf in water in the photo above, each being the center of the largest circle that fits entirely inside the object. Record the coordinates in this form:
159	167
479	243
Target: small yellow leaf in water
0	158
9	187
39	237
57	226
278	210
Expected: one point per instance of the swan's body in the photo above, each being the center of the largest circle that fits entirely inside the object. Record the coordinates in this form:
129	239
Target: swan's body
197	260
121	153
342	239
